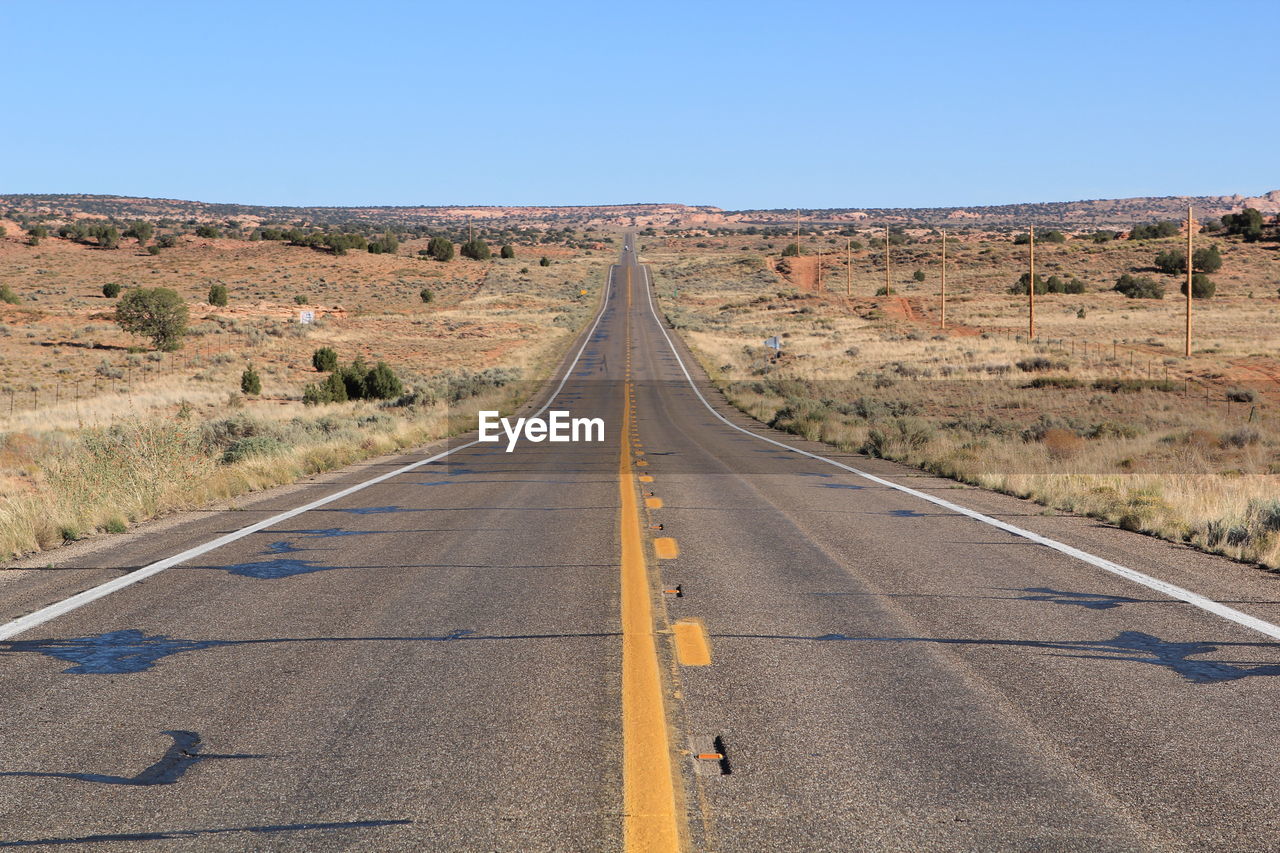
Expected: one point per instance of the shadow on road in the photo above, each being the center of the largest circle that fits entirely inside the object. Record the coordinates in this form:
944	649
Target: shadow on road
1127	646
176	761
174	834
130	650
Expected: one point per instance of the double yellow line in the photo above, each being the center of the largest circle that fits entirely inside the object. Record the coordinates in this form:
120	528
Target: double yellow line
649	792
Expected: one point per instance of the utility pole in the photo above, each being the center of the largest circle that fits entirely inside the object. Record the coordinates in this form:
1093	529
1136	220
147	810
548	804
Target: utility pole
888	288
1031	290
944	278
848	267
1190	223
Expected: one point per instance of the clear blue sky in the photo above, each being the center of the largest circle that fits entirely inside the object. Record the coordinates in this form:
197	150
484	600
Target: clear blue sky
741	105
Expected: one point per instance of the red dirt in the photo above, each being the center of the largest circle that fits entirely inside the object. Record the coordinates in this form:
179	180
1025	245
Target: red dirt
804	272
1255	369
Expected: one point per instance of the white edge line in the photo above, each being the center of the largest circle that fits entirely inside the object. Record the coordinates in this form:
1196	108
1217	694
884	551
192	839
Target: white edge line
53	611
1163	587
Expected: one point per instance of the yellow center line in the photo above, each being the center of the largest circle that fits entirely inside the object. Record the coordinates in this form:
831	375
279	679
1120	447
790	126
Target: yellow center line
649	792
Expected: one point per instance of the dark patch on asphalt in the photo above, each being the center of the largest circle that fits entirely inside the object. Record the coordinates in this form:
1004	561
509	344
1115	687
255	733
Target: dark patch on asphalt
373	510
130	650
816	474
456	634
180	757
282	567
282	547
276	569
907	513
172	834
840	486
1088	600
330	532
112	653
1127	646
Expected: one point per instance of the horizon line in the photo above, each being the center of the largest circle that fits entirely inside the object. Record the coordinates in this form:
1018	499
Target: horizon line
797	209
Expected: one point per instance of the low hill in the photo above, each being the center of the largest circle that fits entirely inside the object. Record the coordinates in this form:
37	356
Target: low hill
1095	213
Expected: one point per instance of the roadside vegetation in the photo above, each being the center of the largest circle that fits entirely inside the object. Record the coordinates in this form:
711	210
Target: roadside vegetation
102	479
1099	416
135	384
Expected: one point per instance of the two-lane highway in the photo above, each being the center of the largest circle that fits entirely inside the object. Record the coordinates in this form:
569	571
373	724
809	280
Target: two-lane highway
696	633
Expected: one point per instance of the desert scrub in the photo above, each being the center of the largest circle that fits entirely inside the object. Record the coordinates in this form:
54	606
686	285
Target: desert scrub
458	385
103	478
900	438
1072	428
1253	533
469	326
802	417
257	445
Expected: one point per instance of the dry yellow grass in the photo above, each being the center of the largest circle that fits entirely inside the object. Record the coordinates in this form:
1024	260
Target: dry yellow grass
103	479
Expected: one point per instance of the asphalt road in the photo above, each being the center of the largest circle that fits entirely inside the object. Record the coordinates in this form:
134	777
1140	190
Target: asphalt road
487	652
